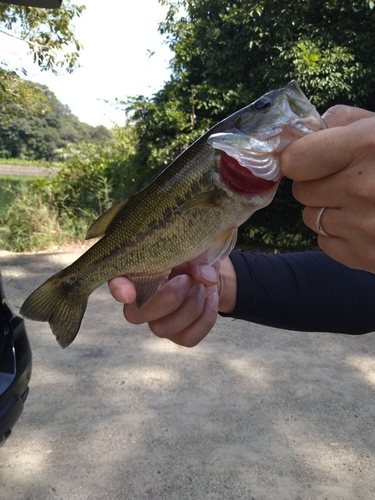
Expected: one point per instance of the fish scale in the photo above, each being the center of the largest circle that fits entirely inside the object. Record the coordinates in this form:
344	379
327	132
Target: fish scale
189	211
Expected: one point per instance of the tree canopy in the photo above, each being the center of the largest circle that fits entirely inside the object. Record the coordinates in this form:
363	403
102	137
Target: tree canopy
228	53
52	44
45	133
34	124
223	46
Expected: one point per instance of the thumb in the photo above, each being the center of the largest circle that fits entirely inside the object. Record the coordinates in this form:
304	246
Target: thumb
122	290
341	115
325	152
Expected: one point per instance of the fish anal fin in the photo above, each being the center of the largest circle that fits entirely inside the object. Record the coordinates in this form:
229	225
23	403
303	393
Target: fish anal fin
99	227
203	200
146	286
222	246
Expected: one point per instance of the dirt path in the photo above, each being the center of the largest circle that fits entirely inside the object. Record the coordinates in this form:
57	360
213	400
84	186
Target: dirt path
27	171
251	413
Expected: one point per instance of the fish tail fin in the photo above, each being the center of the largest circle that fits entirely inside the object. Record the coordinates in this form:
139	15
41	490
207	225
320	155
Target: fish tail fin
51	302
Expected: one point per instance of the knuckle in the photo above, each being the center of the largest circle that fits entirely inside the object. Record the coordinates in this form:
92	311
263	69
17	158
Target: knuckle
359	180
173	294
132	315
297	190
195	301
159	329
365	227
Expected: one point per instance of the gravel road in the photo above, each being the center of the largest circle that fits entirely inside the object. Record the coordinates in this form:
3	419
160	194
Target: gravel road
252	413
27	171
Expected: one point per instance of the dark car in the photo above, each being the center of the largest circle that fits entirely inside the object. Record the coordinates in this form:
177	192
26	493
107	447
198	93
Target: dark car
15	366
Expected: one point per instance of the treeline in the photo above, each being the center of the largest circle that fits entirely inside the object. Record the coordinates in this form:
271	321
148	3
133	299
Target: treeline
44	131
226	54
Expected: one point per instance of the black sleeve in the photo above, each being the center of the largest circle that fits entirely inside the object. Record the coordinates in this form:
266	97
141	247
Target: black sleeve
305	291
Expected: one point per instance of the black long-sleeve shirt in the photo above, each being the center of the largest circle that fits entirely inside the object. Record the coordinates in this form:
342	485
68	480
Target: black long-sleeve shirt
306	291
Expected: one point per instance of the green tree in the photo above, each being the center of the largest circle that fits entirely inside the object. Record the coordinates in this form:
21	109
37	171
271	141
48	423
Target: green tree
222	46
45	133
95	176
49	34
61	208
227	54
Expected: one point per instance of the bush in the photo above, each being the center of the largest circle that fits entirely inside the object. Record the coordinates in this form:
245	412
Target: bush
29	223
60	209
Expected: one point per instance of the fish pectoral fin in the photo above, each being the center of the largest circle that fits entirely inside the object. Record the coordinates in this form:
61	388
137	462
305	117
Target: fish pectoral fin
222	246
203	200
146	286
99	227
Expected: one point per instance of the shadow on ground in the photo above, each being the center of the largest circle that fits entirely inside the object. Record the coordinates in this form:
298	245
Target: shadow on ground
251	413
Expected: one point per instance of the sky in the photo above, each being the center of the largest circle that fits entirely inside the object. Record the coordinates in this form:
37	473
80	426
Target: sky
115	63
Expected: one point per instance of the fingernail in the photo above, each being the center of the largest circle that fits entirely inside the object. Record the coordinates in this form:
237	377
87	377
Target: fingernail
184	282
121	296
213	301
208	273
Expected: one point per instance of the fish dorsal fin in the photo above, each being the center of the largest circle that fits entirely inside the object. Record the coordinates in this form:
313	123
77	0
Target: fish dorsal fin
222	246
146	286
99	227
203	200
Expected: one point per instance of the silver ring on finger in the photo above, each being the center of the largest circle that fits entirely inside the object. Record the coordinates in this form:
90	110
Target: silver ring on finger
319	225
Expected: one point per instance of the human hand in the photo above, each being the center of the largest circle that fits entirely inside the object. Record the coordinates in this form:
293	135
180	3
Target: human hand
335	168
185	308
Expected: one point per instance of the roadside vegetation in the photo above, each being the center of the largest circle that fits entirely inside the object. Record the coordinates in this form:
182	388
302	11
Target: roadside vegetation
8	187
58	209
225	55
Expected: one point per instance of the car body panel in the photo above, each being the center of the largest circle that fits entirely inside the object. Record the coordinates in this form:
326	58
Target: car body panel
15	366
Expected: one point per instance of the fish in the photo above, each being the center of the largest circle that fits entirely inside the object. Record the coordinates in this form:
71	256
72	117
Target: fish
190	211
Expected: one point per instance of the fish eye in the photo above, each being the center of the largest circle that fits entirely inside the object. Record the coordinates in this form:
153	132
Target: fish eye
262	103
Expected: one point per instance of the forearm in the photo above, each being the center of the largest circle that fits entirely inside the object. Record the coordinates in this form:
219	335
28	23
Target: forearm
303	291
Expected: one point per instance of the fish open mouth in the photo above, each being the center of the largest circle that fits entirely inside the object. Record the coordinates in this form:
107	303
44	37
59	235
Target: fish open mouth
250	157
240	179
256	142
248	165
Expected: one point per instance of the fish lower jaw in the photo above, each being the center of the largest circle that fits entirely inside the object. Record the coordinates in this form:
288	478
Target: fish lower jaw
257	200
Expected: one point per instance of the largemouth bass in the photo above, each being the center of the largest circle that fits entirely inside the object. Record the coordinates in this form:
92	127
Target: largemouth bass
190	210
